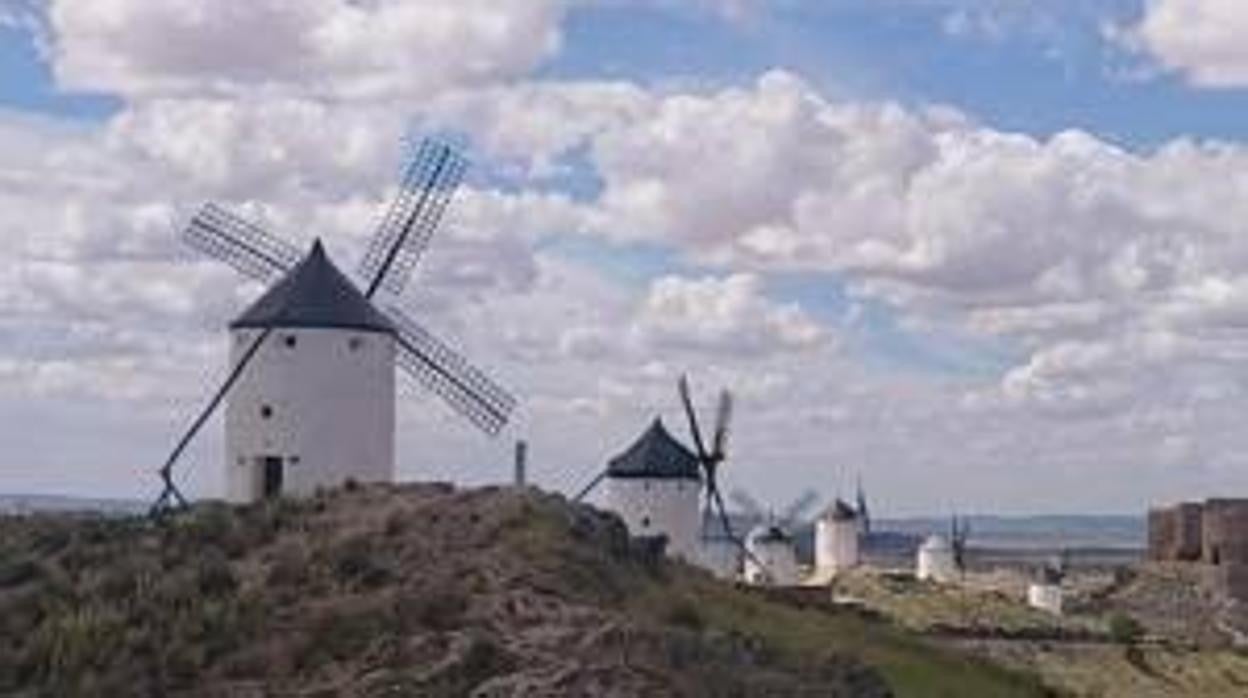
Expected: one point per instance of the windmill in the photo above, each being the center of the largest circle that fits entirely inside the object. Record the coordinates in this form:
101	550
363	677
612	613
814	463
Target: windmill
770	548
1045	590
660	487
837	532
310	293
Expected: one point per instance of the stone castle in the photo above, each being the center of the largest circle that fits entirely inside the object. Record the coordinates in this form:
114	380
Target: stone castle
1213	534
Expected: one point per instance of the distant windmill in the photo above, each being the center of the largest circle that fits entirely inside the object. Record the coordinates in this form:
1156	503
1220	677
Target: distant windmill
317	407
656	484
770	549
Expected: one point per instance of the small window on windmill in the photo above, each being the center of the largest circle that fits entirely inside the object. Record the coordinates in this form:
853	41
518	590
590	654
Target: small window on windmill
645	522
290	341
355	343
293	460
266	411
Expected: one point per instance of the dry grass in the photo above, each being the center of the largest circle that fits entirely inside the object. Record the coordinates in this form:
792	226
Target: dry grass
420	590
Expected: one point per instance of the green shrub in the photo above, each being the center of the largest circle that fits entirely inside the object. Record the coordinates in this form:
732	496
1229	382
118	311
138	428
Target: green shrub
1124	629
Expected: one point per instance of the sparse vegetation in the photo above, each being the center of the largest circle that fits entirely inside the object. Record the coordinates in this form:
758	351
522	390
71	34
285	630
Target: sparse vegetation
1124	629
420	590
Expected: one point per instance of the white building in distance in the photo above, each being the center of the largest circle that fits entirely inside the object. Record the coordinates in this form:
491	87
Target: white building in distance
837	531
771	557
936	561
316	405
1045	591
655	487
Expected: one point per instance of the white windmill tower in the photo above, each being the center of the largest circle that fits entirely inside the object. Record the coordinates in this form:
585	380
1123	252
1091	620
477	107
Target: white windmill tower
311	388
836	539
943	560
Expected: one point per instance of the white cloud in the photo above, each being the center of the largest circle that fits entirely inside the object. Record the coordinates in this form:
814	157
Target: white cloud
729	314
1200	39
335	48
1115	278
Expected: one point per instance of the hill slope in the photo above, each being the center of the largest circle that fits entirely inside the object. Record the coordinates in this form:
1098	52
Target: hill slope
419	590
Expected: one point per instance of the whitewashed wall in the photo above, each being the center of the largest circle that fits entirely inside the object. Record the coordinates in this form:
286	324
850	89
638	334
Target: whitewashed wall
772	563
1046	597
836	545
331	397
935	561
651	507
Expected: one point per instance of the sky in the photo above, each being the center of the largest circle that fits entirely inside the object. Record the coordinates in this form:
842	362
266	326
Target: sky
986	255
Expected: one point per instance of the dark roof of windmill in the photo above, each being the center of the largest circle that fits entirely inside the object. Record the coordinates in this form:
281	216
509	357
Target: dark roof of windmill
656	455
315	294
770	533
840	511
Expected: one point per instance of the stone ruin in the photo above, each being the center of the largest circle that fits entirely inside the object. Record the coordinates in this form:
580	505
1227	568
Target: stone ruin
1212	534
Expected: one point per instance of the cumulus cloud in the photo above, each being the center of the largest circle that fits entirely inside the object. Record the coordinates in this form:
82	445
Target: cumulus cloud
334	48
1114	278
1202	40
1064	247
729	314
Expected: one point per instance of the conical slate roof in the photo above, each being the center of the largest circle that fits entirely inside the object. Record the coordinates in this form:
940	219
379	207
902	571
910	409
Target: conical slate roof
656	455
840	511
314	294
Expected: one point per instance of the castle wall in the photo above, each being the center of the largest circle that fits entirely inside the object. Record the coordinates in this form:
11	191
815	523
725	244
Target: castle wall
1188	531
1161	534
1177	533
1229	580
1225	531
1213	534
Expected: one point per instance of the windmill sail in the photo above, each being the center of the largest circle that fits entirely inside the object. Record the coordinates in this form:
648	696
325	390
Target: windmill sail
719	443
799	507
747	503
448	374
429	183
250	249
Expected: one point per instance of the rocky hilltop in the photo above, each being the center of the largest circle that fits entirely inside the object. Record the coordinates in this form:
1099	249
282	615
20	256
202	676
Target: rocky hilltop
420	590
